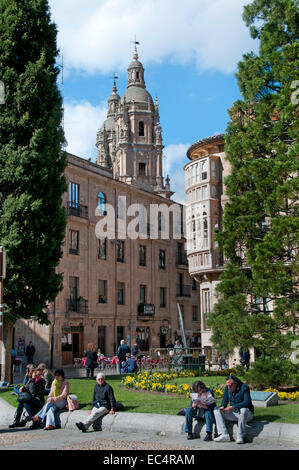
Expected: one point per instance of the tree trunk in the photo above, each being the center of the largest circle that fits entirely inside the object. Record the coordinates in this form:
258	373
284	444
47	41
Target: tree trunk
6	369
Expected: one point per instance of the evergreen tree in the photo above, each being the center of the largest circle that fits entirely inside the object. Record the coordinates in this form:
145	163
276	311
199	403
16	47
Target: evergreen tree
258	292
32	220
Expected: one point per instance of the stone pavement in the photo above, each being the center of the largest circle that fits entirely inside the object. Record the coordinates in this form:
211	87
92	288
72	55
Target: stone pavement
133	427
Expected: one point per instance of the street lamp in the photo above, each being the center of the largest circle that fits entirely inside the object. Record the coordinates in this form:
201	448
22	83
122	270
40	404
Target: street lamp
115	243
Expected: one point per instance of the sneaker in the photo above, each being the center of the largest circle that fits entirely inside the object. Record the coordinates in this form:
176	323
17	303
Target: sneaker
208	437
190	436
222	438
81	427
240	440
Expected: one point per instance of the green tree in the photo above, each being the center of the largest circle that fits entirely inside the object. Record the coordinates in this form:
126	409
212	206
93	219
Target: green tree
258	290
32	220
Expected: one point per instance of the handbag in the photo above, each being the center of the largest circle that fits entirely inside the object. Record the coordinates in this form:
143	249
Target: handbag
72	402
24	397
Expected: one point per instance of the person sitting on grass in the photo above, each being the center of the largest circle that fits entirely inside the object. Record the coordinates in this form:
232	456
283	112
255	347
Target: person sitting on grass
57	400
35	387
202	405
103	402
240	410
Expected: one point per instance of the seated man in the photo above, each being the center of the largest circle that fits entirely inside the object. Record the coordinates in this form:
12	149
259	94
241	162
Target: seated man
240	410
103	402
130	364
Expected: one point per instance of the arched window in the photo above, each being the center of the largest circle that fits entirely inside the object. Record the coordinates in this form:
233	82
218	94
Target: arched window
101	209
141	128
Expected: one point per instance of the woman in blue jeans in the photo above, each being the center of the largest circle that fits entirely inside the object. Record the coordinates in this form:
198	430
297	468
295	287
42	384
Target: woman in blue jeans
202	405
56	401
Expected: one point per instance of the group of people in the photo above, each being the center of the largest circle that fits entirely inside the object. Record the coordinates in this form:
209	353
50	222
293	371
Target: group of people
39	382
203	405
126	359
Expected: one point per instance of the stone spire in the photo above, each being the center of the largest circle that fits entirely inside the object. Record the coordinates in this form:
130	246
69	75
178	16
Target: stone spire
136	72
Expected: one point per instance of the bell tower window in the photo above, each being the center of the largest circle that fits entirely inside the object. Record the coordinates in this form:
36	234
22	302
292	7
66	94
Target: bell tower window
141	129
137	75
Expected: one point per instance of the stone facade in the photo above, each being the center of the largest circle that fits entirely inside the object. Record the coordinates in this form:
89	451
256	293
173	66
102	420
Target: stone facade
120	286
206	198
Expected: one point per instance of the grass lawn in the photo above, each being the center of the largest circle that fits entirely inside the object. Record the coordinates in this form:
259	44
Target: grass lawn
144	402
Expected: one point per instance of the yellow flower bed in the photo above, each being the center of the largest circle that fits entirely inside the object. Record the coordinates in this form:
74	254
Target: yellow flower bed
294	396
157	382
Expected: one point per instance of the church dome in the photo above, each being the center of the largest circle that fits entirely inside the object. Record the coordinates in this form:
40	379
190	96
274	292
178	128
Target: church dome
109	124
136	93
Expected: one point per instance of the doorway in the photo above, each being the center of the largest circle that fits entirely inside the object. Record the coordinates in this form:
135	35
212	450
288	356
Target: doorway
71	344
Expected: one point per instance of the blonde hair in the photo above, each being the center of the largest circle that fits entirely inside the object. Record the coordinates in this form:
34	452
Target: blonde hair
42	366
92	347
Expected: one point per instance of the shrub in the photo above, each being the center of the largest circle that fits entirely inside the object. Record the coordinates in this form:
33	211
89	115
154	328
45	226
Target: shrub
269	372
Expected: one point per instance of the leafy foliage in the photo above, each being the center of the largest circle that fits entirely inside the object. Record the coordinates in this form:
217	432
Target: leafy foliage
32	221
269	372
258	300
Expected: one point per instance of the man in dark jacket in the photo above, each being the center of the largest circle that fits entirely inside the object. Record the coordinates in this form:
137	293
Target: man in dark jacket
240	410
103	402
30	351
130	364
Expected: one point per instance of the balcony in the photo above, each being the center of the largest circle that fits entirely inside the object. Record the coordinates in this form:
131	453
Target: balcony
146	310
181	259
183	290
73	208
77	306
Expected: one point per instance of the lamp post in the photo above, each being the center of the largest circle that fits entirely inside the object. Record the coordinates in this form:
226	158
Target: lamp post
115	243
2	276
52	335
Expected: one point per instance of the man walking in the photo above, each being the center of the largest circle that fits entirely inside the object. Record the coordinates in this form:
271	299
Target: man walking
103	402
240	410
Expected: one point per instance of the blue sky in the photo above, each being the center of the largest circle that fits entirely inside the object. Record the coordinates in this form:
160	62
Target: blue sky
189	49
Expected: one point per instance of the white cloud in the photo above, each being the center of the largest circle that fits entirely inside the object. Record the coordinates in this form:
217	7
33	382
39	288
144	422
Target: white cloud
174	167
82	121
95	36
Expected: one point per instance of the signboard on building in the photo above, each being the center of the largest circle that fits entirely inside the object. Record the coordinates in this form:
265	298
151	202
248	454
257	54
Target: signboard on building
146	310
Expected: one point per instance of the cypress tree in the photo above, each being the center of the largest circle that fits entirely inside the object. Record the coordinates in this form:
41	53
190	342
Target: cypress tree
258	300
32	220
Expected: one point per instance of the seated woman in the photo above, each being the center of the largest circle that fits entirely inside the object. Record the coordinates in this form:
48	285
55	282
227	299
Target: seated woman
57	400
48	377
202	405
28	373
36	388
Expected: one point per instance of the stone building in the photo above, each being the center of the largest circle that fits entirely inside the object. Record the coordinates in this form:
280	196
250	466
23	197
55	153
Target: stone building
120	285
206	198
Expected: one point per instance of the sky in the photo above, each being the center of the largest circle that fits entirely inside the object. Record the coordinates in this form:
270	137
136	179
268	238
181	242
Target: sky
189	49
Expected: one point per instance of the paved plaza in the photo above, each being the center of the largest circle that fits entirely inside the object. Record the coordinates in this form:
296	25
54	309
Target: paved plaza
135	431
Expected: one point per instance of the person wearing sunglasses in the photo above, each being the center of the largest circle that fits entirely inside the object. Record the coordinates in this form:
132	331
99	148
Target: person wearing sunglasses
56	401
103	402
241	409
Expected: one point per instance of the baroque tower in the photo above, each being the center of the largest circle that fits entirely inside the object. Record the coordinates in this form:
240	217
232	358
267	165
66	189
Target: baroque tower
130	139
